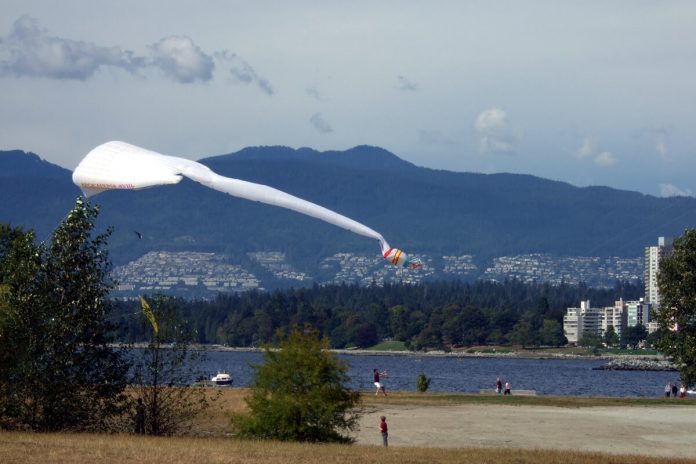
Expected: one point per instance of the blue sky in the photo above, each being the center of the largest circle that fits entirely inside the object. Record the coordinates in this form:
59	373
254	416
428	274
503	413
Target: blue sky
590	93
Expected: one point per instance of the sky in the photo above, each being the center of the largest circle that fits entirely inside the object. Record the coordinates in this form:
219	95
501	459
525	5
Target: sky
584	92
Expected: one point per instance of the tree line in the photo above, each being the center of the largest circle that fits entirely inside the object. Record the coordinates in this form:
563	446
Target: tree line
432	315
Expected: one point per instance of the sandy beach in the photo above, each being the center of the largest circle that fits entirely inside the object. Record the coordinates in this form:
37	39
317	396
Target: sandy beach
668	431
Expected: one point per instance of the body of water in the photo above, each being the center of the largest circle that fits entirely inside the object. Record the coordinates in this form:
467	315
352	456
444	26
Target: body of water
470	375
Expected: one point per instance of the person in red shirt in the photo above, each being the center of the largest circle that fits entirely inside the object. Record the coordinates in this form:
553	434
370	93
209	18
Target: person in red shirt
384	430
375	375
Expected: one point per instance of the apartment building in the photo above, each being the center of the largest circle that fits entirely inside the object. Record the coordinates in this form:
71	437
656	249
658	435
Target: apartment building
653	255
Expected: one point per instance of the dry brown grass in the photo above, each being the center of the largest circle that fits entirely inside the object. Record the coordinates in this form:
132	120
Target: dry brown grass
212	444
30	448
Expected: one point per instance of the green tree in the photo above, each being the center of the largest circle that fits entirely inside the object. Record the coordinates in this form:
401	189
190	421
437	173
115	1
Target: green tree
551	333
523	334
422	383
59	370
677	313
610	336
590	340
299	393
633	335
165	366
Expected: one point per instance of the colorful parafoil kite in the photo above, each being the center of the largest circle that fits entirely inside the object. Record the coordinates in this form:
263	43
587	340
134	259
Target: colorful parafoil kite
119	165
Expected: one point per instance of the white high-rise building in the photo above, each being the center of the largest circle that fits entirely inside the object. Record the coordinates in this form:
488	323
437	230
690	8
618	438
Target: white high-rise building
614	316
638	312
653	254
580	320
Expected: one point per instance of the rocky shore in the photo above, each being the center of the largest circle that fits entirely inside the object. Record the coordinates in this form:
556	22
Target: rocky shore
637	364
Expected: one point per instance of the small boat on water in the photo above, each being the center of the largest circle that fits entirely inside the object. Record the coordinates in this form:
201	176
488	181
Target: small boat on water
221	378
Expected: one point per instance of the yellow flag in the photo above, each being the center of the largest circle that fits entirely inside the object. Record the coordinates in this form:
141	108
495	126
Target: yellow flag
149	314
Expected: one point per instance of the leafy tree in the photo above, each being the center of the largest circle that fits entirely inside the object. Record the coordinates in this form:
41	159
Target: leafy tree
677	313
551	333
161	371
610	336
523	334
422	383
299	393
59	370
590	340
633	335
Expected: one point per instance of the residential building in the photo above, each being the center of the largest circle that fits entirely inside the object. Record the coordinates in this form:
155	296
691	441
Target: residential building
638	312
614	316
653	255
580	320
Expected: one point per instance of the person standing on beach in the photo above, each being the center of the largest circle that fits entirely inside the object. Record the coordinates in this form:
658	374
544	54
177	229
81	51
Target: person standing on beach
507	388
675	389
384	430
668	389
498	386
376	379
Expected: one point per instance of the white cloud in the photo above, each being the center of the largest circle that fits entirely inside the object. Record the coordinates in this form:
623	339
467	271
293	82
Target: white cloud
669	190
320	124
28	50
314	93
241	71
182	60
495	133
586	150
406	84
605	159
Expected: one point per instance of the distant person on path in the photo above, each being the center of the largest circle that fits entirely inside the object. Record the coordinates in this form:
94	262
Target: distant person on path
682	391
384	430
140	417
507	388
668	389
498	386
675	389
376	376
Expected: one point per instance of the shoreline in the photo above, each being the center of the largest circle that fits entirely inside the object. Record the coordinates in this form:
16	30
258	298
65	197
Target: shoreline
645	362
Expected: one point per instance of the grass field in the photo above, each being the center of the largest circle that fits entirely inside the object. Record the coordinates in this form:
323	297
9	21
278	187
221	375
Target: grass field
31	448
210	440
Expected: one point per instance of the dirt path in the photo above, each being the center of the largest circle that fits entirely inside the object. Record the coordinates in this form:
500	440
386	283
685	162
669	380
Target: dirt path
652	431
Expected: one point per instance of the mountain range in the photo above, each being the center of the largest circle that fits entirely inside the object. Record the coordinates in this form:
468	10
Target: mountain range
421	210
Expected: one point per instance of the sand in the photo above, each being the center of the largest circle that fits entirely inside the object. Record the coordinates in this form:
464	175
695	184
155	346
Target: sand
649	431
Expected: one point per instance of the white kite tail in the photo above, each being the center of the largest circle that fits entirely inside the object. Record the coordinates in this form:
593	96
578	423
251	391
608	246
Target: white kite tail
119	165
271	196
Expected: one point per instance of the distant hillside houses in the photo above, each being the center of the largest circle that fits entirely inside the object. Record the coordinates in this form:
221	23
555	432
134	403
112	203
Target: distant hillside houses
192	274
198	274
594	271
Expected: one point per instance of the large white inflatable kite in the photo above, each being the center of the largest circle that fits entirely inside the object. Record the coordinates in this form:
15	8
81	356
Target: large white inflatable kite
119	165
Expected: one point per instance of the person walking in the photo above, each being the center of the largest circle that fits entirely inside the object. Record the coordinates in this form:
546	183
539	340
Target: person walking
498	386
384	430
668	389
507	388
675	389
139	417
376	379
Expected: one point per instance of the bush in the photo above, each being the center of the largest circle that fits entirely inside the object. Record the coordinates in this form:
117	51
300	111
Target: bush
299	393
422	383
